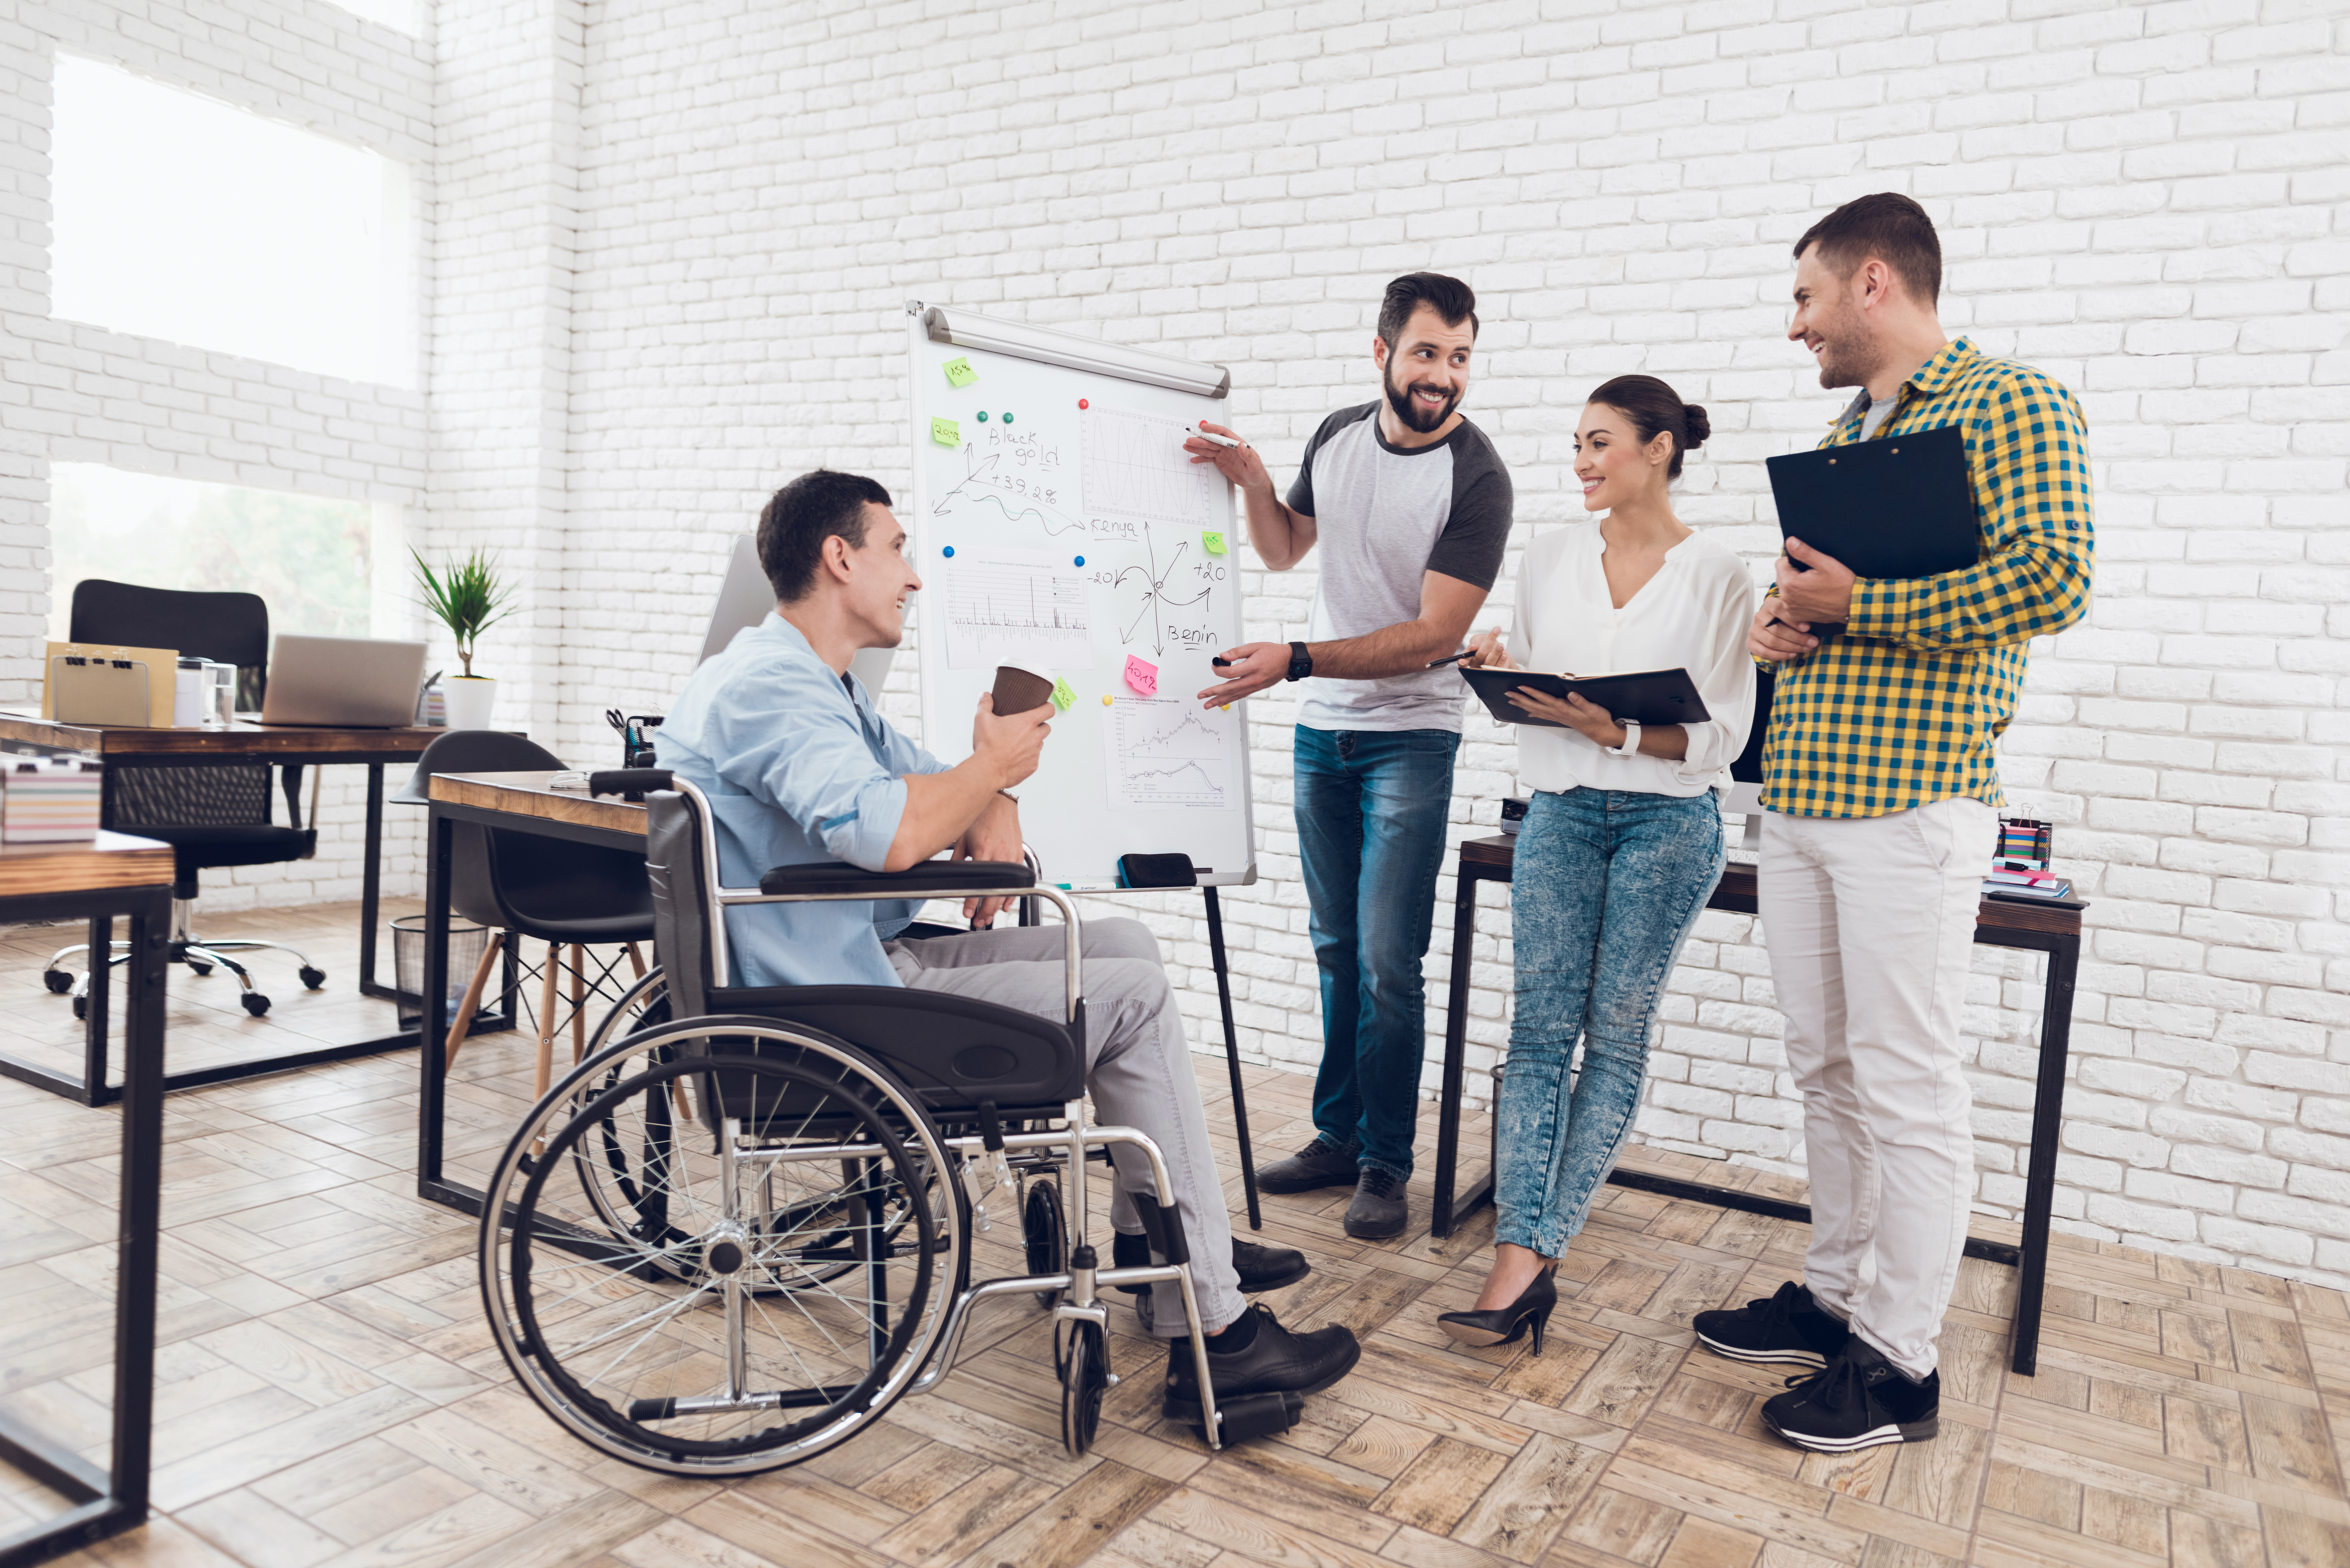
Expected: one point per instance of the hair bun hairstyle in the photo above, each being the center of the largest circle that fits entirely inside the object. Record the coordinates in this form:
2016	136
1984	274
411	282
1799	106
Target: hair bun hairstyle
1657	409
1699	427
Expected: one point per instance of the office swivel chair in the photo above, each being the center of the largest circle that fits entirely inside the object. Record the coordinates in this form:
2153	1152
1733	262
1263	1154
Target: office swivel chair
213	817
524	887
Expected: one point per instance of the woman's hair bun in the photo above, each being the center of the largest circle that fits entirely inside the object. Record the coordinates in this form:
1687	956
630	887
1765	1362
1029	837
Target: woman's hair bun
1699	427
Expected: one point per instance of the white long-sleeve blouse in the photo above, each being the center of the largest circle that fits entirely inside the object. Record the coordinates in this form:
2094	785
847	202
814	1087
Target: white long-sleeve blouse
1692	615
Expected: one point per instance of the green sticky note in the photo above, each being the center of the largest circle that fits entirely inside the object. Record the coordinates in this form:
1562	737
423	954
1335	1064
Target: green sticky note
946	432
1063	694
960	373
1214	542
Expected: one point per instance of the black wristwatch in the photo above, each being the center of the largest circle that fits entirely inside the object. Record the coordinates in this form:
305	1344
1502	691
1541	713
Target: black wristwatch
1301	663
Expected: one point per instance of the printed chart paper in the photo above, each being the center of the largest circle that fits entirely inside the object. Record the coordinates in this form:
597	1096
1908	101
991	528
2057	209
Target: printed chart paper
1016	606
1166	752
1135	466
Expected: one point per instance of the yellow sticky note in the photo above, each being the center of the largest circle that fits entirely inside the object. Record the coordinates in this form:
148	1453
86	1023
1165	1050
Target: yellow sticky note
946	432
1215	543
1062	694
960	373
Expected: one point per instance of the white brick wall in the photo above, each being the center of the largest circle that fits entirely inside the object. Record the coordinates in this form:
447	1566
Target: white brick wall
670	242
71	392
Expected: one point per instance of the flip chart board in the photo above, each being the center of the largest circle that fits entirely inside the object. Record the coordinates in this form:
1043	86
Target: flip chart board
1065	530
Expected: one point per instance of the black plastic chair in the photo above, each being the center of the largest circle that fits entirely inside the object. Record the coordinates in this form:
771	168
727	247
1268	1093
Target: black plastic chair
213	817
526	886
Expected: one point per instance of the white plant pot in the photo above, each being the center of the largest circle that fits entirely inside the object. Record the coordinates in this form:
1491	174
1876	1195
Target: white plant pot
469	701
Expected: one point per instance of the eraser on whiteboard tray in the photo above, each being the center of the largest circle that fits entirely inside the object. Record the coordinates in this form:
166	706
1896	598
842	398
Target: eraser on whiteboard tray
1157	871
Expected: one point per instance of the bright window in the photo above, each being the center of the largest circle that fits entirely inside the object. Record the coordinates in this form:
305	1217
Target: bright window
316	561
182	218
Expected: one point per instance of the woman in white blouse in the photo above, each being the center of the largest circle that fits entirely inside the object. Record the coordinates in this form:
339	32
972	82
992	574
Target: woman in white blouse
1623	843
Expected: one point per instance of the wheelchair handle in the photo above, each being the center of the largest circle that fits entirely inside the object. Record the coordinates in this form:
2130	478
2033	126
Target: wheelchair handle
629	784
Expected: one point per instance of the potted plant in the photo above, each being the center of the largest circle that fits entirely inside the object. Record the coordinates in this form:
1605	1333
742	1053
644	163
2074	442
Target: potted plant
468	598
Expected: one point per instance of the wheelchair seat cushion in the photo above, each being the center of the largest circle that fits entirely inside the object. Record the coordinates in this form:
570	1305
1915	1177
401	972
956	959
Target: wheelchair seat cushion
953	1051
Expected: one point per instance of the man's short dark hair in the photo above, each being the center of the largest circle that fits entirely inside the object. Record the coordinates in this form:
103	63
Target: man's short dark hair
798	519
1893	229
1453	301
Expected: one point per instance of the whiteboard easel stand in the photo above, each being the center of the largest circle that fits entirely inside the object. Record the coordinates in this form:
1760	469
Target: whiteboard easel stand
965	329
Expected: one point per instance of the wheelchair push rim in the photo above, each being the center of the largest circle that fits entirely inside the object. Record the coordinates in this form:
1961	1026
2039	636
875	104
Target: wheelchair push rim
690	1369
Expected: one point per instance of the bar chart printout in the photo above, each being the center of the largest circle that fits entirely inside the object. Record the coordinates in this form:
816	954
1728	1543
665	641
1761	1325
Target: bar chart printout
1016	606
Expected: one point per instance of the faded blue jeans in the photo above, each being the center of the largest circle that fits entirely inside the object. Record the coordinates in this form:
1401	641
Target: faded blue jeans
1371	809
1606	888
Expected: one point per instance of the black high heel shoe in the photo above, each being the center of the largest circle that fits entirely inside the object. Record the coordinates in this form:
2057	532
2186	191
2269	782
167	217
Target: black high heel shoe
1503	1325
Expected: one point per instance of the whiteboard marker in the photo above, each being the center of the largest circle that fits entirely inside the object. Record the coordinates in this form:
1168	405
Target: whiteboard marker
1212	436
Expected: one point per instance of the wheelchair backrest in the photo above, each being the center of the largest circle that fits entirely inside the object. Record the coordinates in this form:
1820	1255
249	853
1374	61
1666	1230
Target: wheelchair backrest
677	866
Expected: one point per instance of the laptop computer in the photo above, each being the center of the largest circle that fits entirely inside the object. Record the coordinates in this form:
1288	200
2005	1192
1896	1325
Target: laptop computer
358	682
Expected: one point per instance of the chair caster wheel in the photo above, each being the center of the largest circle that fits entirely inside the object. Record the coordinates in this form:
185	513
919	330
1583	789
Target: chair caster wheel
81	1007
1085	1376
57	980
312	978
254	1003
200	968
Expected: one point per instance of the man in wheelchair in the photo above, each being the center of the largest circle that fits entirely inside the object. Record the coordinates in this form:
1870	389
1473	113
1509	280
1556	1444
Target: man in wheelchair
800	769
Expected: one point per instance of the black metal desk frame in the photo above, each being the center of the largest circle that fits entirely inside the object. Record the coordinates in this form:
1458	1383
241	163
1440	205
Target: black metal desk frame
2031	1257
107	1501
432	1095
90	1087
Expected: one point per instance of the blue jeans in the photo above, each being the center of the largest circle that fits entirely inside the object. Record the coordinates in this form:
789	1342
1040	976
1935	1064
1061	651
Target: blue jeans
1606	888
1371	809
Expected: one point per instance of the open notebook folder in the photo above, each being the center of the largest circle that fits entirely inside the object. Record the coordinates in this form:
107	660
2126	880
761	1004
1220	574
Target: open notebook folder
1645	697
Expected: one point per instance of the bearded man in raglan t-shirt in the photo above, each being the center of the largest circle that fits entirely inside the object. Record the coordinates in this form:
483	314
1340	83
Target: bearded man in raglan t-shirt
1410	505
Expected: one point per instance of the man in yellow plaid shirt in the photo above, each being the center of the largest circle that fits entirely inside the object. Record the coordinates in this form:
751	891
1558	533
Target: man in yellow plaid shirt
1880	793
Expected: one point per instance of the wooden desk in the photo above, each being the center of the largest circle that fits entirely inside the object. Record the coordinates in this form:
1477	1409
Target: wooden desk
114	876
241	743
1998	923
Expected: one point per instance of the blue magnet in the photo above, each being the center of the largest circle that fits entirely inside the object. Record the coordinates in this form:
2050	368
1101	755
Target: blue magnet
1081	560
949	550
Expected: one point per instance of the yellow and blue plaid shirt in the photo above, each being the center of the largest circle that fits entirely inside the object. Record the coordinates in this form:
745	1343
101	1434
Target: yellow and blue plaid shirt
1905	705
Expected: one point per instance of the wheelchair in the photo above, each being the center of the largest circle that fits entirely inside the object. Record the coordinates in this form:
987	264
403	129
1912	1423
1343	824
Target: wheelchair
741	1228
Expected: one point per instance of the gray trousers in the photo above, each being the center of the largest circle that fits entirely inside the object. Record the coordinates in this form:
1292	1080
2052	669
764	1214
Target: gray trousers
1137	1068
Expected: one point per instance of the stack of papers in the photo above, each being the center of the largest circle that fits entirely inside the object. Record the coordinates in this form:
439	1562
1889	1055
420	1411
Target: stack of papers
2020	884
50	800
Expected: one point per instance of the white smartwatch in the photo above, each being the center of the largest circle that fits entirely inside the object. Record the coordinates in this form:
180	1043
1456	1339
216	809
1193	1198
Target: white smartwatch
1631	746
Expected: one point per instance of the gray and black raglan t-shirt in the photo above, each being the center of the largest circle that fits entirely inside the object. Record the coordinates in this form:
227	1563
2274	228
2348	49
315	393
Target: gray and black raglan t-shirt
1384	515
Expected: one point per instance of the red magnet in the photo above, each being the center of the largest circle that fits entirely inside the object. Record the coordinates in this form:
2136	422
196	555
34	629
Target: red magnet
1081	402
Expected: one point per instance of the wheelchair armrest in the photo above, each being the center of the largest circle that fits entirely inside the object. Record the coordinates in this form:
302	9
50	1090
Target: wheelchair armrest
931	879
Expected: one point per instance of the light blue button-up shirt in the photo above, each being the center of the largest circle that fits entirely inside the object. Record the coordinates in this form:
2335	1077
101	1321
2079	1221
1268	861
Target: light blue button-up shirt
799	769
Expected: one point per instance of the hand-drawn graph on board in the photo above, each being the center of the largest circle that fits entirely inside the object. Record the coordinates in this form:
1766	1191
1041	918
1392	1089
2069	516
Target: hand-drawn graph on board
1135	467
1170	604
1165	751
1014	606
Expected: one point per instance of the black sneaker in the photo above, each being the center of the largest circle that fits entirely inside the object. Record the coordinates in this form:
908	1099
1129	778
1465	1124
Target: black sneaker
1319	1164
1788	1328
1260	1267
1860	1401
1276	1361
1379	1210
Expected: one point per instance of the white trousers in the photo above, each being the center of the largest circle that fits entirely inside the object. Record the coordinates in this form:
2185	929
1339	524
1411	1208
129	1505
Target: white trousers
1870	921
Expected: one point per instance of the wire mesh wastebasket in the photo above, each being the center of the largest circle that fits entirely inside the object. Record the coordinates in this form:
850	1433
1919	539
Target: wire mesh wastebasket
466	944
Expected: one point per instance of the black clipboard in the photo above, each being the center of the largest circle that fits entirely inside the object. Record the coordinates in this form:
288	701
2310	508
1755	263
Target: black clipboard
1644	697
1899	507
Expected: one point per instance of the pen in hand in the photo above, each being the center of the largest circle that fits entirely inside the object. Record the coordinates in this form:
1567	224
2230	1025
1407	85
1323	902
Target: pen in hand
1455	659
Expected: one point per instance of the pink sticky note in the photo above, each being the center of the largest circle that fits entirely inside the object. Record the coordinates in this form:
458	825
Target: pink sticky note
1142	676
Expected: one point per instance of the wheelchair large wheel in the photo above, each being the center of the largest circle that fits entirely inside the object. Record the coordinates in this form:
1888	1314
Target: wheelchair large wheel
710	1345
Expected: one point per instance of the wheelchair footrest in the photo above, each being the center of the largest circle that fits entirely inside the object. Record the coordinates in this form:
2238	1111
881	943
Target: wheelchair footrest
1259	1415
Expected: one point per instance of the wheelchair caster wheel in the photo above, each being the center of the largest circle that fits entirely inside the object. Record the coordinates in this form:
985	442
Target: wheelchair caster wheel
1085	1376
1048	1237
56	979
312	978
1259	1415
81	1007
200	968
254	1003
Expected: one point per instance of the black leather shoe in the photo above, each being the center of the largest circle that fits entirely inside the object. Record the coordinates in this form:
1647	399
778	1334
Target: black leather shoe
1276	1362
1319	1164
1260	1267
1504	1325
1379	1210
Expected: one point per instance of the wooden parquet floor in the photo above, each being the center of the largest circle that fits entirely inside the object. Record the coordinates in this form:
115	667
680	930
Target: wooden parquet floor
329	1395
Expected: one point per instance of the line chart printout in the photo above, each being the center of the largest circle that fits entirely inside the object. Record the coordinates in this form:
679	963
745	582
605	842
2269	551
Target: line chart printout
1168	752
1016	606
1135	466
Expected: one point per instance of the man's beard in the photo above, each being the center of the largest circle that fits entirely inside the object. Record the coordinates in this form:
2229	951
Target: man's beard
1850	357
1414	417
